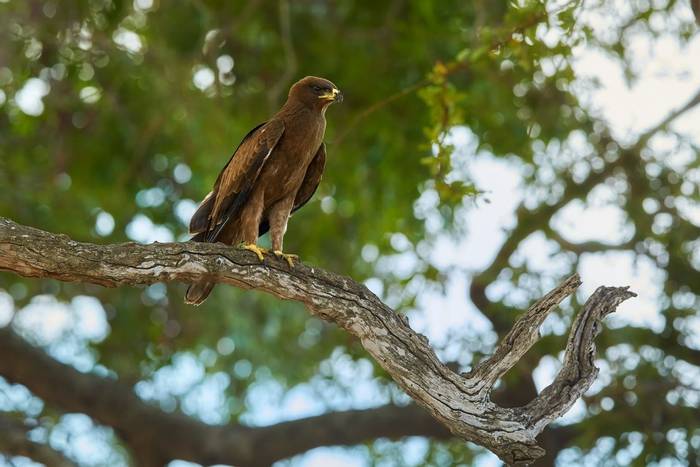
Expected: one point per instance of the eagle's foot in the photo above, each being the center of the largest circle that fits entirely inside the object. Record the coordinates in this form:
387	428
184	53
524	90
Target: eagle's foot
287	257
255	249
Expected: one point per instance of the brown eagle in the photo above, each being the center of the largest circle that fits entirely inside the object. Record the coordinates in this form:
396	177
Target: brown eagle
274	171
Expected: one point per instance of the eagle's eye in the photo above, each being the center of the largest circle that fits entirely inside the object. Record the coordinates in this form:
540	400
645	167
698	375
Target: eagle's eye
317	88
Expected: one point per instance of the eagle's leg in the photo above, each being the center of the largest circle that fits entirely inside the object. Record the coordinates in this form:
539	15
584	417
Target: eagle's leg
249	222
278	217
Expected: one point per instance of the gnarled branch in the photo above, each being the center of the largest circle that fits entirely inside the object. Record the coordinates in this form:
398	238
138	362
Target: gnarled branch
459	402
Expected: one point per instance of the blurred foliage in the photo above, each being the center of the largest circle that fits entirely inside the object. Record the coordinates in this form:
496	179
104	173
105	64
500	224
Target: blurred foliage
142	102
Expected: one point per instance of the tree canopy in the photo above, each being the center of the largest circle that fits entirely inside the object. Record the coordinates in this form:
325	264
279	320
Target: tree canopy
116	117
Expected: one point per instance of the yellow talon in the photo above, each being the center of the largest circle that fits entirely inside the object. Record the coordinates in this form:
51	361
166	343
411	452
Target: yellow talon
289	258
255	249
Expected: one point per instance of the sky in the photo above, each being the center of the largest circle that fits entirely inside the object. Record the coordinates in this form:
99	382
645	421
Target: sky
668	78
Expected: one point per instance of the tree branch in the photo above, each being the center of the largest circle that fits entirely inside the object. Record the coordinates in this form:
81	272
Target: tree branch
157	437
526	223
14	442
590	246
523	334
459	402
693	102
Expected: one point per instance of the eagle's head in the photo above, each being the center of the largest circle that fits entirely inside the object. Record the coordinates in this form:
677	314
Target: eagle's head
314	92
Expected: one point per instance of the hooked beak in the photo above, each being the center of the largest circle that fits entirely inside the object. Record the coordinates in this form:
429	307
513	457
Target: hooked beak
333	95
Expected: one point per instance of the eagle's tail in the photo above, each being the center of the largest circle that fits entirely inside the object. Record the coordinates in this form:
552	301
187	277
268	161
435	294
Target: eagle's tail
197	293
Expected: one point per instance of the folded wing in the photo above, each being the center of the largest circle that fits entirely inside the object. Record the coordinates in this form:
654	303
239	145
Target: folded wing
236	181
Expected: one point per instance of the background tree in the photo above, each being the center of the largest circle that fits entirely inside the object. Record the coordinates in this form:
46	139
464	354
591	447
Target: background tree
115	116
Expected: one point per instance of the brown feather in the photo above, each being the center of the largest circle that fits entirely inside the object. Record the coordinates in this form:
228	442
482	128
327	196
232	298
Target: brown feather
200	219
308	186
240	174
312	178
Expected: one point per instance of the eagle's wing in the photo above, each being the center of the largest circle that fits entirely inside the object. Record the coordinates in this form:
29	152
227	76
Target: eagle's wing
236	181
311	179
200	219
199	223
308	185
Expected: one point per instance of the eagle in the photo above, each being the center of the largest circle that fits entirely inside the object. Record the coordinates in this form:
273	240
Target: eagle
274	171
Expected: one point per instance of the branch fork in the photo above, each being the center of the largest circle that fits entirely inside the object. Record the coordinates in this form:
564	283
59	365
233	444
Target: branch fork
460	402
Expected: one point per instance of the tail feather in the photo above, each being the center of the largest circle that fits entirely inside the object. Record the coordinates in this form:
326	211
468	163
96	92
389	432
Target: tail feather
197	293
